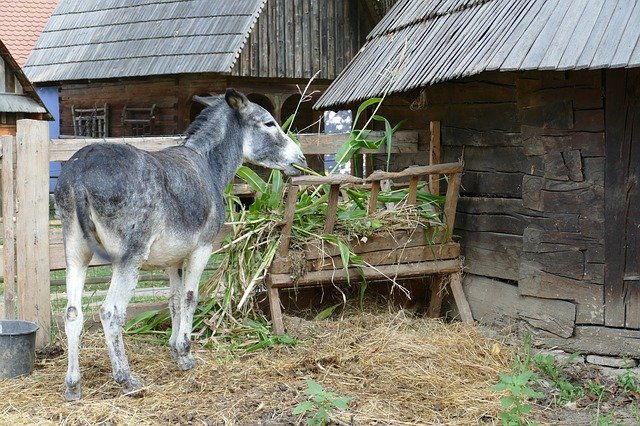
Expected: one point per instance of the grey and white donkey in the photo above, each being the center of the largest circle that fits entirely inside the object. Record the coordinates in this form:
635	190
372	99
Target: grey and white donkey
142	209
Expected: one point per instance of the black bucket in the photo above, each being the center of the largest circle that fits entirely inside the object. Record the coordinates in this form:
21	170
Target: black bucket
17	348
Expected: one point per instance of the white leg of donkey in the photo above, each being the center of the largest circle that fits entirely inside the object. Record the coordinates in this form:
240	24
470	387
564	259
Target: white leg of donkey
175	300
112	314
78	255
181	336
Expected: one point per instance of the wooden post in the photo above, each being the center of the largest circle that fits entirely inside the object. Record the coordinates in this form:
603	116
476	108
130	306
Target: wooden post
290	210
451	201
412	198
332	208
373	200
8	214
434	156
461	300
32	225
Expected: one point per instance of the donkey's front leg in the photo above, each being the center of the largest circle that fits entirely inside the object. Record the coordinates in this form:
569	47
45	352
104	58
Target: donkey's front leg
197	262
112	315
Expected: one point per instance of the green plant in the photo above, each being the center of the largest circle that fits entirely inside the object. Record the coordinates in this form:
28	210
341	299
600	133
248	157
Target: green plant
321	405
568	391
518	388
628	382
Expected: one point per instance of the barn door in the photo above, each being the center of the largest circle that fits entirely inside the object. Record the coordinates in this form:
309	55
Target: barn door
622	198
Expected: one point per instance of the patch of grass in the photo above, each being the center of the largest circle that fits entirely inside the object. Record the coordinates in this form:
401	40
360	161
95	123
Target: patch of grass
547	364
628	383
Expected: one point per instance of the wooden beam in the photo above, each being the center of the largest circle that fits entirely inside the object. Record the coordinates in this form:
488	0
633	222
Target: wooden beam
32	225
8	215
384	272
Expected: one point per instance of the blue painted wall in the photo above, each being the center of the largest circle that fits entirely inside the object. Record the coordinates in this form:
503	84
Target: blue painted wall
49	96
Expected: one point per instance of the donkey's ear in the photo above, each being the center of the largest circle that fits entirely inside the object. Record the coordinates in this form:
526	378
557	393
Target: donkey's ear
205	100
236	100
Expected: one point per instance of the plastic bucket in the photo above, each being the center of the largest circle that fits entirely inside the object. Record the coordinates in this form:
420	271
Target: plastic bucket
17	348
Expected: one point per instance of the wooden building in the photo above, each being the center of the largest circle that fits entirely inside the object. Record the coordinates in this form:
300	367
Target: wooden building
131	68
18	98
541	100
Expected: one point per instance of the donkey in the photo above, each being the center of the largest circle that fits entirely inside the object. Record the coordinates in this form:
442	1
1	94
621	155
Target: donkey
140	209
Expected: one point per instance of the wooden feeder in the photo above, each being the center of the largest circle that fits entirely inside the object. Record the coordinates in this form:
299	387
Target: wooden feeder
401	255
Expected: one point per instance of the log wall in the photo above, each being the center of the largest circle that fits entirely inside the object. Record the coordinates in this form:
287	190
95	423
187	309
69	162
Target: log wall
531	213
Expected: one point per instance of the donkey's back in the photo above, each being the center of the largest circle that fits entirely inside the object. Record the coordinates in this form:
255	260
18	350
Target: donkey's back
126	202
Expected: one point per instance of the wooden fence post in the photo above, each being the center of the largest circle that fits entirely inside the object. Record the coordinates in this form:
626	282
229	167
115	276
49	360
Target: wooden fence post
32	225
8	214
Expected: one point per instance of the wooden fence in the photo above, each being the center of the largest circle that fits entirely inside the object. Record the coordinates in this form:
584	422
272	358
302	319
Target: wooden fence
32	248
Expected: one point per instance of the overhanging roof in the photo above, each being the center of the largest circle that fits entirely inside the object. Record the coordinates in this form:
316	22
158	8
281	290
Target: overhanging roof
97	39
420	42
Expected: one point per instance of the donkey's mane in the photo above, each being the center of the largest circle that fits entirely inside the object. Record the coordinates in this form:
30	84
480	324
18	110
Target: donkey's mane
204	117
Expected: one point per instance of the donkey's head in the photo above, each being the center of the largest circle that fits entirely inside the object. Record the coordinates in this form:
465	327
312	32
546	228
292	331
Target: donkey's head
263	141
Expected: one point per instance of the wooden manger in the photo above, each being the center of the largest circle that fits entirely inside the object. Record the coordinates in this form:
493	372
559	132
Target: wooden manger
397	255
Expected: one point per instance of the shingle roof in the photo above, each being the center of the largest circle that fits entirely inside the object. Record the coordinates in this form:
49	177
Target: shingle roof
28	101
21	22
93	39
422	42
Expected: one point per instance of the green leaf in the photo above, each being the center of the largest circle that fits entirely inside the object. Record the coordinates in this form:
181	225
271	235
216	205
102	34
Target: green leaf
507	401
342	402
275	191
364	105
326	313
302	408
313	388
288	122
252	179
345	255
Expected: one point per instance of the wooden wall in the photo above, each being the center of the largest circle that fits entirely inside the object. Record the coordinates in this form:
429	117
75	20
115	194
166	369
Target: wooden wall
172	96
297	38
531	217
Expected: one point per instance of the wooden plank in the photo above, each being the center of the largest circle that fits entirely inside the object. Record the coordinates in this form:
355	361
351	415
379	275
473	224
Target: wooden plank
373	197
417	171
491	254
434	155
589	297
390	256
597	340
290	209
461	300
404	141
63	149
451	202
384	272
332	179
8	215
622	140
32	225
332	208
384	241
553	316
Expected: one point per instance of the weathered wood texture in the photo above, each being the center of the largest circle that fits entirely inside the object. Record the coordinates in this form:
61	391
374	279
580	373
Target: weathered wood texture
9	235
297	38
532	199
32	224
622	199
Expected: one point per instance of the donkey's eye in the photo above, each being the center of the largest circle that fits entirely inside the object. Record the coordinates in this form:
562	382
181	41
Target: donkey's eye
270	124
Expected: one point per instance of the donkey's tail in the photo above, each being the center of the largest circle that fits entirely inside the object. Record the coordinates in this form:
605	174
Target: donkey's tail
87	226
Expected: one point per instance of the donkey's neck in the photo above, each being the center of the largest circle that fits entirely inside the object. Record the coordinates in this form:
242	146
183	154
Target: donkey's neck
219	141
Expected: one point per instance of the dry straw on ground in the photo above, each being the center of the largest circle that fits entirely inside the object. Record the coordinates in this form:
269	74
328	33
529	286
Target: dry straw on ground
398	370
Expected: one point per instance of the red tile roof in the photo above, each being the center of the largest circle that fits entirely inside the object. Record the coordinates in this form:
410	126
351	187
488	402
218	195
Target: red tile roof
21	22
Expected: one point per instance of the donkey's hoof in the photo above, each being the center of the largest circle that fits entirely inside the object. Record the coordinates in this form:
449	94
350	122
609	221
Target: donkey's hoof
132	387
73	393
186	362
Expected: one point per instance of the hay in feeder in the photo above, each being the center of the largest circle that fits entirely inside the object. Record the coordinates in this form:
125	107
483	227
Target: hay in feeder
396	368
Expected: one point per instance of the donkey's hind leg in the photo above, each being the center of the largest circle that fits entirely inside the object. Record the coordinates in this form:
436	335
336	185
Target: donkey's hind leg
112	315
78	256
175	299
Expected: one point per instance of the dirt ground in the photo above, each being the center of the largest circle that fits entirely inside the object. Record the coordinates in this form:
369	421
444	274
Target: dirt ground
396	368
